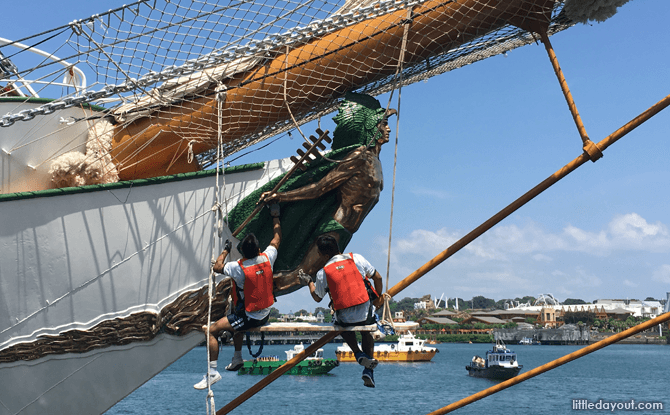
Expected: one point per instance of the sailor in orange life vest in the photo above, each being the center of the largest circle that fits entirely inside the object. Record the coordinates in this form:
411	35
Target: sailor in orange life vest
252	296
345	278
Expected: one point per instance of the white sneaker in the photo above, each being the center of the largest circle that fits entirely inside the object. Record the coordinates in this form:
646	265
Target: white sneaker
235	365
213	378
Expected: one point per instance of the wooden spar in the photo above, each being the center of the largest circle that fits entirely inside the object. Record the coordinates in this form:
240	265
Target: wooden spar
554	364
527	197
323	135
277	373
593	151
313	74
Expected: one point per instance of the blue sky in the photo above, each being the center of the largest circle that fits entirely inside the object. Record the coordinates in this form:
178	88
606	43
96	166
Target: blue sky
473	140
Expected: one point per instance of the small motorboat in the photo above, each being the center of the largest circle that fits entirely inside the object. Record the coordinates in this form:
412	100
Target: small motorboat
500	363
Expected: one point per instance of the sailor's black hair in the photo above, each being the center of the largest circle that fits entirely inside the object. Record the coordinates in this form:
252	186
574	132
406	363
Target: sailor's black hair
327	245
249	246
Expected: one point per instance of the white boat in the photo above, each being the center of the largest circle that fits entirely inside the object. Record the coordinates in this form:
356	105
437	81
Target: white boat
299	348
527	341
408	348
500	363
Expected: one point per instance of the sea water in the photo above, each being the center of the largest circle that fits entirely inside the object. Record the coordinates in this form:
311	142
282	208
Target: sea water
618	373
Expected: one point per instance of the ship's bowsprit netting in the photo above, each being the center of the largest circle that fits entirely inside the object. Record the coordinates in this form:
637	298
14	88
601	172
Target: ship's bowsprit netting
155	65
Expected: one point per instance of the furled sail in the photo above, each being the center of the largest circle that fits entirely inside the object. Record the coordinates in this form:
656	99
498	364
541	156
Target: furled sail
168	85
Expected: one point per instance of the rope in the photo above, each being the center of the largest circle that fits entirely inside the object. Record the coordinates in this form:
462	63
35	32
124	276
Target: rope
288	107
297	126
386	316
190	150
218	225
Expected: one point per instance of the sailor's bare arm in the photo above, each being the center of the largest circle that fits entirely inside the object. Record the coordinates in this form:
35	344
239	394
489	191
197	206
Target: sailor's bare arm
377	281
220	262
312	291
276	229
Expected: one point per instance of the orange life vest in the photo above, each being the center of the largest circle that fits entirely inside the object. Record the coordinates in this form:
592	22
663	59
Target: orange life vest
345	283
257	285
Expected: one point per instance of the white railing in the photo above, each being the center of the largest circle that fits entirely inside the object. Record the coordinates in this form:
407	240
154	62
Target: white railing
74	77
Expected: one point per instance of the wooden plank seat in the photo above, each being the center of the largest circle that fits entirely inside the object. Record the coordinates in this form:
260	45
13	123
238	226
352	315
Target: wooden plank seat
314	327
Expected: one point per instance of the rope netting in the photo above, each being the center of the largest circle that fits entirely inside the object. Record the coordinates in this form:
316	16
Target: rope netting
154	66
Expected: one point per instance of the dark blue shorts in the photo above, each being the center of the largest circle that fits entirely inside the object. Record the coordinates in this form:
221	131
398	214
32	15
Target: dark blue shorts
372	319
240	322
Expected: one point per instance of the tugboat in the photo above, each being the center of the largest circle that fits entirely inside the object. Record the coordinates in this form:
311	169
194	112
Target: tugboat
311	366
500	363
408	349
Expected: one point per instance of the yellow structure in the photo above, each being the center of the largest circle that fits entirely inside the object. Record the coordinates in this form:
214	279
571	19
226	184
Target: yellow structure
548	317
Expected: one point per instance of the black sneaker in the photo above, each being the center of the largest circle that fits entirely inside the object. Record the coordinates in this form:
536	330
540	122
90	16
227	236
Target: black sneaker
368	378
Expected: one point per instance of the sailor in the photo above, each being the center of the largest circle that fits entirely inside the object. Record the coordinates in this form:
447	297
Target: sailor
252	296
346	278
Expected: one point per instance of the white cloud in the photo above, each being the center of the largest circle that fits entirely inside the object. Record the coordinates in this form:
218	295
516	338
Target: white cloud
624	232
634	227
526	258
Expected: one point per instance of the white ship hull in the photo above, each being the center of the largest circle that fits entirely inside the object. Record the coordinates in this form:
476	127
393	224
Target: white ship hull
73	259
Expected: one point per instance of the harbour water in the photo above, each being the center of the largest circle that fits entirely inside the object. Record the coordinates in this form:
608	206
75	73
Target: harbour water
618	373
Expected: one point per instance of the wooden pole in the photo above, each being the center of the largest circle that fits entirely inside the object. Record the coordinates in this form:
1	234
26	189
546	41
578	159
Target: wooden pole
527	197
564	86
554	364
278	372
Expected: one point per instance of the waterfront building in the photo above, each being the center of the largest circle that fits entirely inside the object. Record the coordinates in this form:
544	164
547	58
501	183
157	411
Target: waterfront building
604	308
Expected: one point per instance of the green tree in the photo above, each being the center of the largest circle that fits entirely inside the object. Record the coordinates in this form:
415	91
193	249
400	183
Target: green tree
274	313
462	304
406	304
482	302
500	304
575	317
